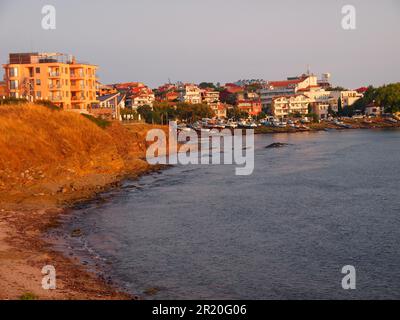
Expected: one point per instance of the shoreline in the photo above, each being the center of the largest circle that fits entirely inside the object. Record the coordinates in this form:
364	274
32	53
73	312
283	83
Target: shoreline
25	248
375	123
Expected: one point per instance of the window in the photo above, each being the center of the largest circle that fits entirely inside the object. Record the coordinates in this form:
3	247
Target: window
14	72
37	70
38	83
13	84
38	94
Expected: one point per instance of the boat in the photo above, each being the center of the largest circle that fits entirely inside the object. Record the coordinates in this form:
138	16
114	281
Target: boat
183	127
197	126
231	124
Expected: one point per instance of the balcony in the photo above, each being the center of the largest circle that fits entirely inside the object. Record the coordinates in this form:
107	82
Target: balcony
78	87
77	74
55	98
54	74
54	86
77	98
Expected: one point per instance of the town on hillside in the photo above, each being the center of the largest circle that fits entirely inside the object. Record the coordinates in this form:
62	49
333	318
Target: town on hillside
72	85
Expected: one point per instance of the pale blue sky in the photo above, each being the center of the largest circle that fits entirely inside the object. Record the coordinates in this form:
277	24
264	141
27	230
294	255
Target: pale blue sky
218	40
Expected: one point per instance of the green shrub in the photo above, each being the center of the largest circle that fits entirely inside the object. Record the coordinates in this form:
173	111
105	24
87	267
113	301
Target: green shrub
10	100
28	296
47	104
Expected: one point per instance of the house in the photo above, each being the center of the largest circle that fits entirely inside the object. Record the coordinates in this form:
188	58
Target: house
57	77
103	90
171	96
320	109
137	94
221	110
321	101
252	107
233	88
109	106
138	97
373	109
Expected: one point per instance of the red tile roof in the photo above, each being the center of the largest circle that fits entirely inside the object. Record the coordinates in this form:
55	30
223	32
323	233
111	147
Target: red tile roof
284	83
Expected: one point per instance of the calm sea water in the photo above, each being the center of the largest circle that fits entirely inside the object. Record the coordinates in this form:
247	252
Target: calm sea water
199	232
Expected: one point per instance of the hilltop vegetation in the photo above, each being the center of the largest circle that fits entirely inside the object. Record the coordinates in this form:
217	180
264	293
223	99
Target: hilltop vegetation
387	96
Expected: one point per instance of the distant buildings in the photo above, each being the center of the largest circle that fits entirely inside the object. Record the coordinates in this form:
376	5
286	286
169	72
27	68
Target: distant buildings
57	77
137	94
282	98
73	85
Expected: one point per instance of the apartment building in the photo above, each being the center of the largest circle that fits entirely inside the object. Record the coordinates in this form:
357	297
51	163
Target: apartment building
57	77
284	106
348	98
210	97
291	86
190	94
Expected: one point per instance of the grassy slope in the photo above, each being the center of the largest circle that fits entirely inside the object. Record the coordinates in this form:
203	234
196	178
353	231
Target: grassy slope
44	151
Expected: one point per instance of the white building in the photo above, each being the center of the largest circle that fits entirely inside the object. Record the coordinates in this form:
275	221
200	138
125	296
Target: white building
190	94
373	110
283	106
291	86
348	98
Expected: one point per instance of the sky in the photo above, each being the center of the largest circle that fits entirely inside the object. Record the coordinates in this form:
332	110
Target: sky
154	41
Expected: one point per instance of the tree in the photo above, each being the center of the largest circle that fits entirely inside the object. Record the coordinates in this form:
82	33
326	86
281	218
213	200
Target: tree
387	96
337	88
339	106
330	110
236	114
205	85
146	113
